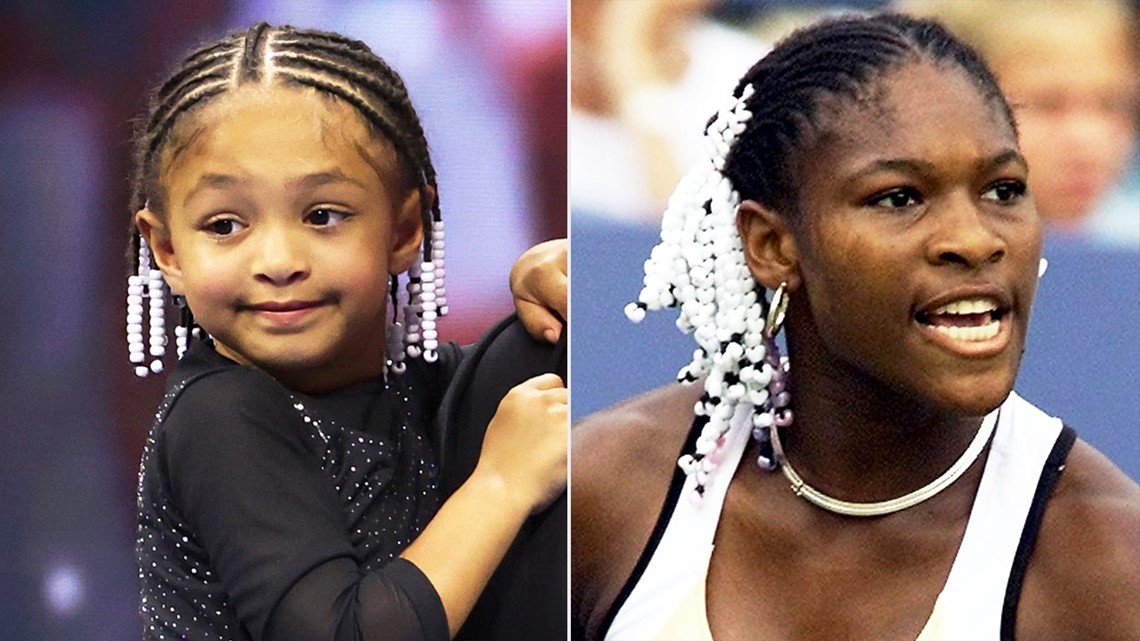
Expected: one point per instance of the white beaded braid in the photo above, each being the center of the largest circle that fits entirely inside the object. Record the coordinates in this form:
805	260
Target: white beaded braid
699	268
427	302
146	299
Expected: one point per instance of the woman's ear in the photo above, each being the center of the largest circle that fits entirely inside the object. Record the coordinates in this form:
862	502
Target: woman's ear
157	237
769	245
408	230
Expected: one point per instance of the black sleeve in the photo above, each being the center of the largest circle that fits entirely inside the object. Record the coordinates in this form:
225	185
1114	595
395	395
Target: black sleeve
525	598
244	471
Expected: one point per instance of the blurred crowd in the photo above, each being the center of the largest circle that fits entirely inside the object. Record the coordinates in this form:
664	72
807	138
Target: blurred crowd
646	76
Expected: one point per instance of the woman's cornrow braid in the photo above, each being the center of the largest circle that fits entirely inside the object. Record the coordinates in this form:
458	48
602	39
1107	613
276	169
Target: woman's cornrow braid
332	64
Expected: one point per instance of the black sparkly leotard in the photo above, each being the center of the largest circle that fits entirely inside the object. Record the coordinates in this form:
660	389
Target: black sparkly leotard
267	514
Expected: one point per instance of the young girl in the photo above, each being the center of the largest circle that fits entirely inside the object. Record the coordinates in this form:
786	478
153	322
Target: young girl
289	485
884	482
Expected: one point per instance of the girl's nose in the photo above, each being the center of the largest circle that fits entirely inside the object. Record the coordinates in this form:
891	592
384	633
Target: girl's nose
280	258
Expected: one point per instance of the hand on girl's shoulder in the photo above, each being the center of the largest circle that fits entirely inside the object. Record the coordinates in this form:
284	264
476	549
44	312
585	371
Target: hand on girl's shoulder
1083	580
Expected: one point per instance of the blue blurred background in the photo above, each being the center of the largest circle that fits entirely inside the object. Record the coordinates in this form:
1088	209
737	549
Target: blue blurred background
489	81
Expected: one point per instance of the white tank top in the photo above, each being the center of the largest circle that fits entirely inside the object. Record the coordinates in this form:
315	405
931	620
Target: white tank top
664	599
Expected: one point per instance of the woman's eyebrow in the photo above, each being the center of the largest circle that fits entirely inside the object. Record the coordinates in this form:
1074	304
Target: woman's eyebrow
900	165
1004	158
922	167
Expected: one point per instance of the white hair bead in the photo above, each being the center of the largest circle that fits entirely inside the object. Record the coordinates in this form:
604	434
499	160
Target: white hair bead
699	268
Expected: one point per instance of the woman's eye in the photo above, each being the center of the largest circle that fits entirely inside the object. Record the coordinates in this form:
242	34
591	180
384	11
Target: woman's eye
897	199
325	217
1005	192
223	226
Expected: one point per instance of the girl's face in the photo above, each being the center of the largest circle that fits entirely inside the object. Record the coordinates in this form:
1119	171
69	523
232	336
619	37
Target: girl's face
284	219
919	246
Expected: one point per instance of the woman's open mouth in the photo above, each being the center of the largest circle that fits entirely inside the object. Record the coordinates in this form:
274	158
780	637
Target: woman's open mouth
973	327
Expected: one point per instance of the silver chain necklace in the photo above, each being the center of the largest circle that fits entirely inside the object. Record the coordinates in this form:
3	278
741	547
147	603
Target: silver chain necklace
889	506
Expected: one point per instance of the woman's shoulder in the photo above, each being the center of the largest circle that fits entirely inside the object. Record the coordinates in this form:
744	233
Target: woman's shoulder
623	459
638	438
1084	574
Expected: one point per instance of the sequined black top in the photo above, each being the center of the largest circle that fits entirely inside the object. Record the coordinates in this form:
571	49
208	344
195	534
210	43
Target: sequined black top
267	514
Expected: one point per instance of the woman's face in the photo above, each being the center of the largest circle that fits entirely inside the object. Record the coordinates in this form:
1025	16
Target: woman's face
919	245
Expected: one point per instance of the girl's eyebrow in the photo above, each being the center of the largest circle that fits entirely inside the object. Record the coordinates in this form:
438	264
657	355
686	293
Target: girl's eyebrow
211	181
307	181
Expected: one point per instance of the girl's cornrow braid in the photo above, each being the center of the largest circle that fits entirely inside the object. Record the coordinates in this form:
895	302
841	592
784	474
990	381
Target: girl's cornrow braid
426	294
218	57
252	53
163	127
329	84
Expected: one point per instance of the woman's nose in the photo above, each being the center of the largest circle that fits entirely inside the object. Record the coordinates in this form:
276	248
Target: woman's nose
966	236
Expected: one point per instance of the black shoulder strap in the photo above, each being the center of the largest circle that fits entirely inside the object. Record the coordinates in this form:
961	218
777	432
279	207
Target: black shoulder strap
667	508
1052	469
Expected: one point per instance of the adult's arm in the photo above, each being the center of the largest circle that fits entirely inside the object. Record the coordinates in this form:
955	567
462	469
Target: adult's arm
622	461
1083	577
525	598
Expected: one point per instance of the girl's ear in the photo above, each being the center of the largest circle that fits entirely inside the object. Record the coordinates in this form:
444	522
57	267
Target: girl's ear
157	237
769	246
408	231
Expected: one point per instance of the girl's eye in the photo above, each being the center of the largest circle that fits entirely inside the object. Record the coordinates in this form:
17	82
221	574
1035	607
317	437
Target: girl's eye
223	226
896	199
1005	192
325	217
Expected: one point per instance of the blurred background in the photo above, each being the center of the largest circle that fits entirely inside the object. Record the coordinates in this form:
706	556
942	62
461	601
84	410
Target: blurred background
647	75
489	81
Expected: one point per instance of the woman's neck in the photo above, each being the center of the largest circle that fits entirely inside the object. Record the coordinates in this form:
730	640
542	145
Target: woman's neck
856	438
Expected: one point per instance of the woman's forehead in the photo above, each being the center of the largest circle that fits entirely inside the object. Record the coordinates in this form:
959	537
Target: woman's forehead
919	110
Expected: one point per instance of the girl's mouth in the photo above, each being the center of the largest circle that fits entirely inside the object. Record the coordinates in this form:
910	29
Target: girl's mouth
284	313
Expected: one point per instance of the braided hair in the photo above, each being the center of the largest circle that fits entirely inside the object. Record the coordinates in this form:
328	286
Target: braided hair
755	142
334	65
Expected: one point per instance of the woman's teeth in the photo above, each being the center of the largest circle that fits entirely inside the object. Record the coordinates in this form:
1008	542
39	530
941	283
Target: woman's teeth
966	306
972	319
970	333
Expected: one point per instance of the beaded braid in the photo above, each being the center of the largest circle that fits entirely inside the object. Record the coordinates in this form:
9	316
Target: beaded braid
754	143
332	64
699	268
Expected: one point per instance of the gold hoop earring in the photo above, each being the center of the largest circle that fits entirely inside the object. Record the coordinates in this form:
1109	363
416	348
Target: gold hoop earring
776	310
